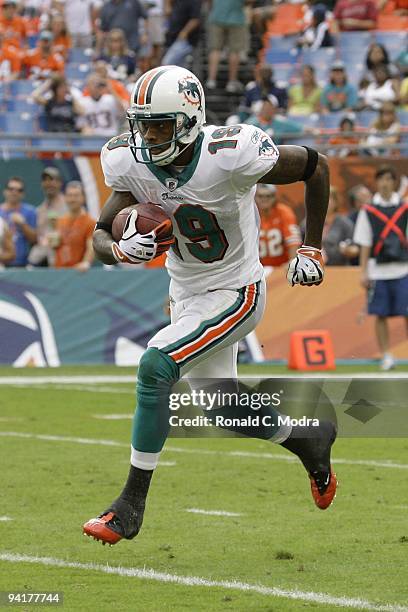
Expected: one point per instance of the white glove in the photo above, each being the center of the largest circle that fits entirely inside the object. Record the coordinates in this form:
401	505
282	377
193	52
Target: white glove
306	268
137	248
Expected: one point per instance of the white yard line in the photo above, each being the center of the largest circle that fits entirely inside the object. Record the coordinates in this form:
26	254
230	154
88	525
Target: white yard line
212	512
4	519
197	581
386	463
122	378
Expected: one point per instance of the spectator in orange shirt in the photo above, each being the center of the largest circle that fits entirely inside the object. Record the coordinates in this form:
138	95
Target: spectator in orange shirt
101	68
62	42
279	232
10	61
72	235
12	24
41	62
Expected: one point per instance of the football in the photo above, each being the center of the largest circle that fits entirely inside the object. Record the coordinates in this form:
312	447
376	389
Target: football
149	217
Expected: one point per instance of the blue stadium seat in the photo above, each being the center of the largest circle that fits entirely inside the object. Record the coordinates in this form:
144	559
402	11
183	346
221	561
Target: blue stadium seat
32	41
354	39
77	71
79	56
280	56
332	120
22	105
21	88
394	42
321	57
286	43
57	143
282	73
366	118
310	121
20	123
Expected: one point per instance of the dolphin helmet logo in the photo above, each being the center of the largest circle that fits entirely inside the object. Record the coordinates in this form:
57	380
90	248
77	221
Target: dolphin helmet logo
267	148
191	91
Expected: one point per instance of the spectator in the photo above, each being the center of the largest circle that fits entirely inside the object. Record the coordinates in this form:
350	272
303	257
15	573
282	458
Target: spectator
352	15
10	61
304	98
264	85
119	89
21	219
120	60
377	55
274	125
384	257
62	41
345	137
103	108
384	131
124	15
183	31
53	207
401	61
42	62
7	250
337	232
279	235
73	241
80	16
227	27
383	89
317	35
338	95
12	25
61	109
359	196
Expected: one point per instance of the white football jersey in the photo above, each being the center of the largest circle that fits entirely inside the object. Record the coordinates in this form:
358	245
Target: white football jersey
211	204
102	115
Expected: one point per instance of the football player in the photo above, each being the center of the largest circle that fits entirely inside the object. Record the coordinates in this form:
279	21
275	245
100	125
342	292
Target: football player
204	177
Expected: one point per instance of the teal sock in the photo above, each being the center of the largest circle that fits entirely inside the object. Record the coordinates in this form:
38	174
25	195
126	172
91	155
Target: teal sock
156	375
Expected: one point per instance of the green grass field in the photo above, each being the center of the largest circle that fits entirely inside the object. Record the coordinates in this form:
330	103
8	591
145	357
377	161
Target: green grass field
276	552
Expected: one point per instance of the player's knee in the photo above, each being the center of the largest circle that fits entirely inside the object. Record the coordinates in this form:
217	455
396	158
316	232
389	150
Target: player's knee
157	367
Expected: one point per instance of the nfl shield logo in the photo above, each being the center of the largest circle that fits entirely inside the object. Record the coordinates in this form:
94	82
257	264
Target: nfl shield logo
171	184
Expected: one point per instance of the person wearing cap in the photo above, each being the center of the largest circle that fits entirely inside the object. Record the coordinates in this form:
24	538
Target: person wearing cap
263	85
10	60
52	207
338	94
317	35
266	118
279	235
13	26
42	62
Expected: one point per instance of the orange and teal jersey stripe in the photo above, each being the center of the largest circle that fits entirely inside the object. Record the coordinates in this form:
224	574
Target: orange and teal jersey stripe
215	330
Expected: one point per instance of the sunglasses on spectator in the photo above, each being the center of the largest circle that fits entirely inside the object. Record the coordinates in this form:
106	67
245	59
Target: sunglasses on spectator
100	85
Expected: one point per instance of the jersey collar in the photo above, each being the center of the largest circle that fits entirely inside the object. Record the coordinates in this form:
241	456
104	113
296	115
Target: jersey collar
183	177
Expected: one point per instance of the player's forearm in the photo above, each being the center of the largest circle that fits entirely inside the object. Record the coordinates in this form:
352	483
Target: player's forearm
102	246
102	239
316	201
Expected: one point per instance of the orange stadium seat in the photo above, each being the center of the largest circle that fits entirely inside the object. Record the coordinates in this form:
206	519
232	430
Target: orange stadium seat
288	20
395	23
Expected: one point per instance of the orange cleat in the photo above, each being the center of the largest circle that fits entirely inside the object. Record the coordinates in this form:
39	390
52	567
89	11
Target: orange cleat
98	529
323	494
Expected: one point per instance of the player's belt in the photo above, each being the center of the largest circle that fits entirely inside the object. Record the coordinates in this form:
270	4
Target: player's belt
214	331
